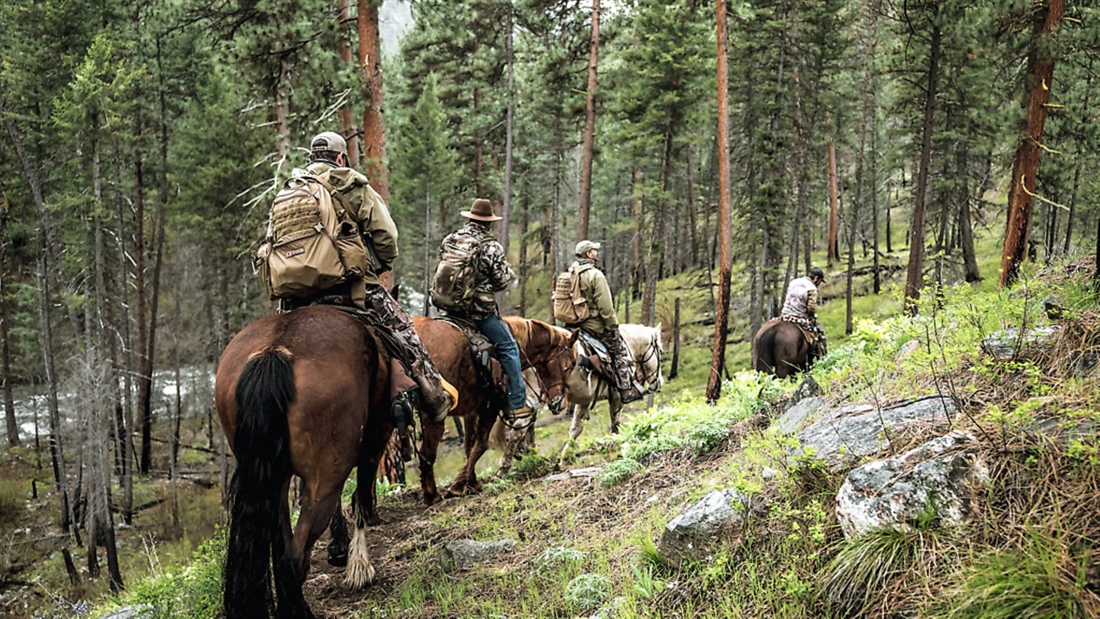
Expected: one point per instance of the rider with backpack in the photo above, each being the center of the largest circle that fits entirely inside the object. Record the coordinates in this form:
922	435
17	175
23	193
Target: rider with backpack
329	238
584	300
472	269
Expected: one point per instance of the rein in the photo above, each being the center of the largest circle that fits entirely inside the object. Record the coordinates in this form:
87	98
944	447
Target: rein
653	351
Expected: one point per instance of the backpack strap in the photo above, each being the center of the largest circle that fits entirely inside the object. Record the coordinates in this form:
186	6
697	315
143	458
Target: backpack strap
340	198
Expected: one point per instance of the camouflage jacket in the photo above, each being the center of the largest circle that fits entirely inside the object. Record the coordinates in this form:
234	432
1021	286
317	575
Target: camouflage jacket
494	274
367	209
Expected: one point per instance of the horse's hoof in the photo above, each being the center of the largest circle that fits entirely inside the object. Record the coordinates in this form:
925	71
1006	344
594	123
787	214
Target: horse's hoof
432	499
338	559
373	520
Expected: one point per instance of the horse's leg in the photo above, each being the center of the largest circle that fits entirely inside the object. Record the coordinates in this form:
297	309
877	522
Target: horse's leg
429	448
478	447
291	564
614	407
360	572
339	538
472	423
580	413
318	508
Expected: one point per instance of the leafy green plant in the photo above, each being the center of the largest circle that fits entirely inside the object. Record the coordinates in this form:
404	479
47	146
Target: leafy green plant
615	473
193	590
556	556
588	590
532	465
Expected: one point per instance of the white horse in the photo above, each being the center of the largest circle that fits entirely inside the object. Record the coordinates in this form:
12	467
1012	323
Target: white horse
585	387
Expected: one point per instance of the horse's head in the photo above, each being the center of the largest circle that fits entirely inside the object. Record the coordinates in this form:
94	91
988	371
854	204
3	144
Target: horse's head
647	347
549	351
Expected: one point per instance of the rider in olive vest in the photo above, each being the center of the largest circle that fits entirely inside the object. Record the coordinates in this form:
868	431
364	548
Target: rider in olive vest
329	159
602	322
493	274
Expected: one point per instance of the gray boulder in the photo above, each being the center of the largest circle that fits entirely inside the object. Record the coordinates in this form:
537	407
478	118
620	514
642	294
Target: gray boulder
461	553
845	435
941	477
1003	345
692	534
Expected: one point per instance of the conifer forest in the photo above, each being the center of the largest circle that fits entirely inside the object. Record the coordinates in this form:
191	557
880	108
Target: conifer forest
716	149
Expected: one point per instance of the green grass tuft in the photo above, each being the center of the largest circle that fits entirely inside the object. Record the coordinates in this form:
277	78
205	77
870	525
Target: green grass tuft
1040	580
615	473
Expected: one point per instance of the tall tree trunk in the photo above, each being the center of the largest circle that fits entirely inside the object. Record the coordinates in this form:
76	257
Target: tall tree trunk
1025	164
834	218
142	309
374	128
11	423
1077	169
636	239
693	216
915	272
874	186
282	116
506	208
524	224
57	456
725	235
347	124
583	212
125	415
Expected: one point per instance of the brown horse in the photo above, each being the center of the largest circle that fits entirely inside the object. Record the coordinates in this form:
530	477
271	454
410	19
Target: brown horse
303	393
781	348
546	349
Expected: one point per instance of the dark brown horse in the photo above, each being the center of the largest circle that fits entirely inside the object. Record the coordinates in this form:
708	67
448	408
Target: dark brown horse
546	349
304	393
780	348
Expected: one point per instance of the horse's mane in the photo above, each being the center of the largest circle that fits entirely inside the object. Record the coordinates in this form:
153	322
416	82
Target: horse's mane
536	333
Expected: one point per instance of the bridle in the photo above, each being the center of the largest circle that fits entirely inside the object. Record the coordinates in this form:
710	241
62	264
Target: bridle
543	390
653	351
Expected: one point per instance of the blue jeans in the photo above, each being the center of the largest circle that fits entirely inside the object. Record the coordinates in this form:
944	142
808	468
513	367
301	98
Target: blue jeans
507	353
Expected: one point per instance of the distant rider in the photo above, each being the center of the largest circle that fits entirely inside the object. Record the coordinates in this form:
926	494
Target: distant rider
800	308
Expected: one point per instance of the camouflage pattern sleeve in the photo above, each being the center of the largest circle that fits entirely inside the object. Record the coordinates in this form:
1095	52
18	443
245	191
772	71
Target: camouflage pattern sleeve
811	303
494	267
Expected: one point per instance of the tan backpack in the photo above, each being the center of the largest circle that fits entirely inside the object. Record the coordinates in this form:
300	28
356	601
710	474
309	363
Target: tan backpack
310	247
570	306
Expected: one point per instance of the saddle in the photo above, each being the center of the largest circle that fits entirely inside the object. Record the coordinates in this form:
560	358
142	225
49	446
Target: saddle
489	373
596	356
809	330
394	346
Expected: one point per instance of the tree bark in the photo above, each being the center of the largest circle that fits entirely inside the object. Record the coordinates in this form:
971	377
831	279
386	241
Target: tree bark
1025	164
374	128
506	206
914	278
721	317
347	124
11	423
583	212
834	218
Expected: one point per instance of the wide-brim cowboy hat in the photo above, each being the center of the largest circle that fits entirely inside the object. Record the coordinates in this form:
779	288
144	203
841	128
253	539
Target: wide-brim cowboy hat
482	210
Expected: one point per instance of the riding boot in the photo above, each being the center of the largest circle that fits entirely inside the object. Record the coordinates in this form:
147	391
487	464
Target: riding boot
437	396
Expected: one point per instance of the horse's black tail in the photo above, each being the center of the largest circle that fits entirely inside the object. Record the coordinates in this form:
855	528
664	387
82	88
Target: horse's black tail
259	533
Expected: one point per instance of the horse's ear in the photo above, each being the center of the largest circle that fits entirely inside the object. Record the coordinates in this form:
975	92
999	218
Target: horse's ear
394	292
658	327
573	337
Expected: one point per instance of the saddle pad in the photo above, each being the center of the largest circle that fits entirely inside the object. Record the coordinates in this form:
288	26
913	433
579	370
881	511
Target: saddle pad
804	324
480	347
490	374
595	348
